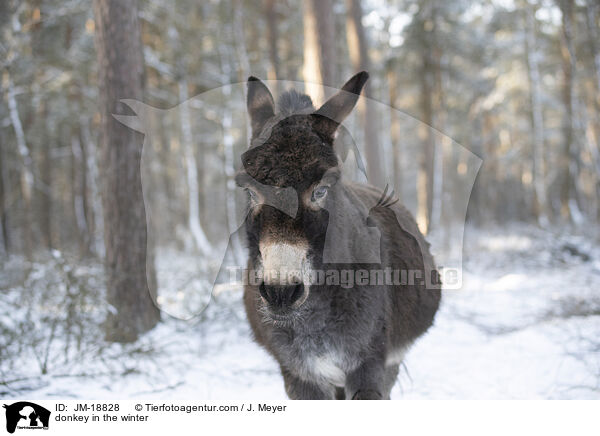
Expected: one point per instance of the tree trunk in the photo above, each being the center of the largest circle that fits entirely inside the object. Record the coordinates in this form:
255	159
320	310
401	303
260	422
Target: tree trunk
240	41
229	167
273	38
591	20
45	197
359	55
426	134
319	48
227	62
566	160
395	132
26	169
537	121
93	200
442	158
593	8
200	240
121	75
79	191
4	189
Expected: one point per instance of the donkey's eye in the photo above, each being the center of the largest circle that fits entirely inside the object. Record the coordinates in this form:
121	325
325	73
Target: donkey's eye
319	193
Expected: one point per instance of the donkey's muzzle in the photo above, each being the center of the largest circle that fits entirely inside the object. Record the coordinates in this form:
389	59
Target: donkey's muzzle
282	298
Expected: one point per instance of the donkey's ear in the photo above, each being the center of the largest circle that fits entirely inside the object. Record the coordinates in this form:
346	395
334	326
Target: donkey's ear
261	105
329	116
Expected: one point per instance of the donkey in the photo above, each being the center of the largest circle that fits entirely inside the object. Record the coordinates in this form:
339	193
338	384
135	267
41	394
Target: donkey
331	342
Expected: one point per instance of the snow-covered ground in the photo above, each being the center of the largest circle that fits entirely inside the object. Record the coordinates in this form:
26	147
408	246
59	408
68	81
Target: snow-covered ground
525	325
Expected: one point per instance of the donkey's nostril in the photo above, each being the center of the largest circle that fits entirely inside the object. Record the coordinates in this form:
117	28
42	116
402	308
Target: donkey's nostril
263	291
281	297
296	293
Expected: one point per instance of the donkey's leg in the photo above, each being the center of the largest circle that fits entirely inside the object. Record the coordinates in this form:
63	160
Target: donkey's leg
367	382
298	389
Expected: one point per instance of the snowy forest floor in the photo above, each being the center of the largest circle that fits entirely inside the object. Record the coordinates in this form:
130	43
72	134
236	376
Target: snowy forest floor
525	325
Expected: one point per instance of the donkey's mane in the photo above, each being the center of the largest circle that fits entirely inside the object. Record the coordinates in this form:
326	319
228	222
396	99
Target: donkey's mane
387	200
292	102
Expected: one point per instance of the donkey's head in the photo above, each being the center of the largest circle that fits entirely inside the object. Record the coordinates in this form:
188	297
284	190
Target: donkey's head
290	173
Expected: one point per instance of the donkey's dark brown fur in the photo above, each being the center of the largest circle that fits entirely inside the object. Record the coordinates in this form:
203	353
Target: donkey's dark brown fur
330	341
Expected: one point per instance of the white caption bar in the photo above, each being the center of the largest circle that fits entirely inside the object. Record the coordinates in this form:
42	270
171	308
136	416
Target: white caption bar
78	417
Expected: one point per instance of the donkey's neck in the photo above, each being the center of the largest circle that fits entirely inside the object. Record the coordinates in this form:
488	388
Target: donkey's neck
349	240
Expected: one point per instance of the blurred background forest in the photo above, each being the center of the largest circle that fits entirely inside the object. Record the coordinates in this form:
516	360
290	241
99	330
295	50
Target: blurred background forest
516	82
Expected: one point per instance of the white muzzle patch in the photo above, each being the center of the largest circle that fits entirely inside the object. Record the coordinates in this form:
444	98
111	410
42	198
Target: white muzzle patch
284	263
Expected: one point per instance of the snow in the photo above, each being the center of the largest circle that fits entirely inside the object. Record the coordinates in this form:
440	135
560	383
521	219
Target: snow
525	325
